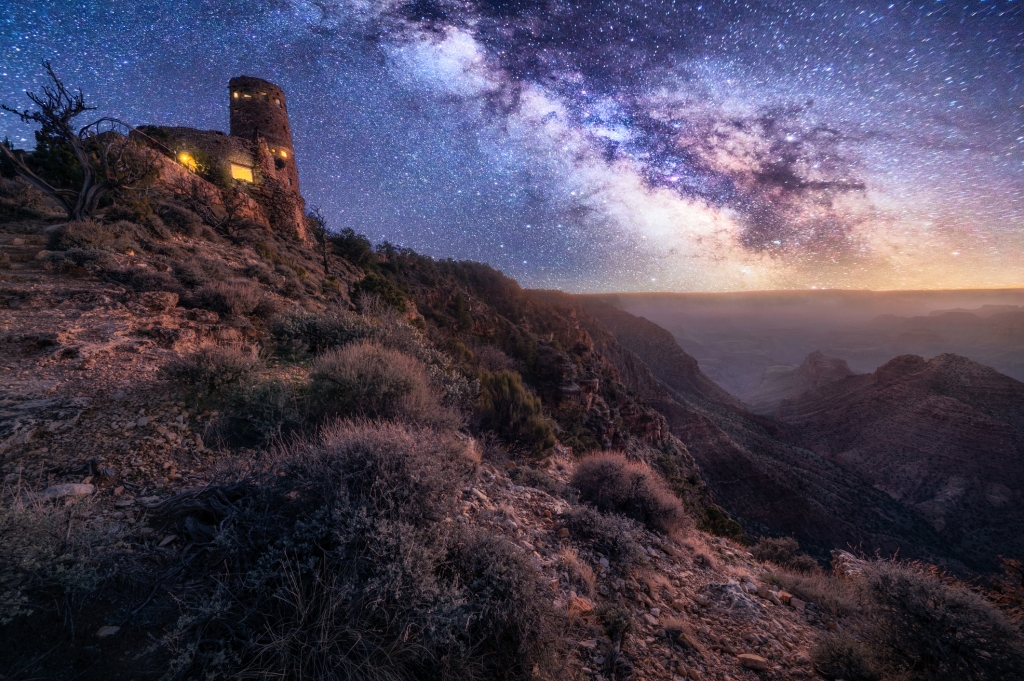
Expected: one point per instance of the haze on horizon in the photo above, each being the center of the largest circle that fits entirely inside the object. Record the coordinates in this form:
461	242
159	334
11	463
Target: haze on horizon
644	146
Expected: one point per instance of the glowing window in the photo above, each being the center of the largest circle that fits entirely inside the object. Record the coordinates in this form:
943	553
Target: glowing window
284	154
235	95
278	102
188	161
247	94
243	173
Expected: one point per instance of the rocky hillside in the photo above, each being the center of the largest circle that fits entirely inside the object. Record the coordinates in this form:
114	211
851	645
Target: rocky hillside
231	453
944	437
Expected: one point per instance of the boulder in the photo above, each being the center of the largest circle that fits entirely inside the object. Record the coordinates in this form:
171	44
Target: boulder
70	489
751	661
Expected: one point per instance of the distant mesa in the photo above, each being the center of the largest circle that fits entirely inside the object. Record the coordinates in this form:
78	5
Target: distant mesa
944	437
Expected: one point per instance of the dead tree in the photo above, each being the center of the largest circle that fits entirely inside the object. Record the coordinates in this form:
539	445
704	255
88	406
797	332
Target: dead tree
316	223
109	160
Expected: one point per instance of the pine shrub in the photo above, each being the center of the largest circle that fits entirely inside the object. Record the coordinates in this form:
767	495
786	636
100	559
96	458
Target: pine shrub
510	410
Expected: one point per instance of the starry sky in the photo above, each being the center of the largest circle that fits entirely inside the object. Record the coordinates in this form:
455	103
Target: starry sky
647	145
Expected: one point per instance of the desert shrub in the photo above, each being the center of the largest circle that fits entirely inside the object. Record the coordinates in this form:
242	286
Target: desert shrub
784	552
156	227
197	271
290	285
256	412
315	333
365	379
615	536
381	287
211	369
260	273
842	657
41	557
614	484
89	259
928	630
150	280
576	572
510	410
617	620
130	210
181	220
118	236
536	478
336	564
835	595
717	522
239	298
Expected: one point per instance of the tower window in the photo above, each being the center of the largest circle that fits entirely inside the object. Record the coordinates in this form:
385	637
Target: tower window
235	95
240	172
277	102
247	94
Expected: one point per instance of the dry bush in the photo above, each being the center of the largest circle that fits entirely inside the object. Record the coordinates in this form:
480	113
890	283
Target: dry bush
257	412
612	535
577	573
316	333
365	379
42	558
151	280
88	259
228	298
118	236
846	658
197	271
926	629
784	552
181	220
337	564
208	371
614	484
835	595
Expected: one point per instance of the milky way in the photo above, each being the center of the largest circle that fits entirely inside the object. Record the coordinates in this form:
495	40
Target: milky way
650	145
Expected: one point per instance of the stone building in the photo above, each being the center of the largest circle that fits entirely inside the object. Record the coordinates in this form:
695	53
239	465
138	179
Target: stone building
257	156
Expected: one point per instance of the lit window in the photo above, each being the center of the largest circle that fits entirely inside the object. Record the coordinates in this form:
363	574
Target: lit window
243	173
235	95
284	154
278	102
188	161
247	94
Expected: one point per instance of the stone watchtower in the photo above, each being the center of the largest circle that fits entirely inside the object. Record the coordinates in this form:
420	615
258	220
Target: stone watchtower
258	109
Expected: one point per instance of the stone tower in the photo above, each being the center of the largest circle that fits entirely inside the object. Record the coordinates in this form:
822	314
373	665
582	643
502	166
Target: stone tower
258	109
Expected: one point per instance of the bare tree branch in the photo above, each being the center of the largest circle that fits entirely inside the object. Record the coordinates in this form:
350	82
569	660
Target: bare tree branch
100	147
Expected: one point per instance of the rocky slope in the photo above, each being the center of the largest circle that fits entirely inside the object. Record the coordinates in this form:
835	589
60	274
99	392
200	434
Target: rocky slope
944	437
91	423
99	441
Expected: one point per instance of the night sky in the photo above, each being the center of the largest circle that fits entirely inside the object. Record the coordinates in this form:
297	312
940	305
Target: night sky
648	145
